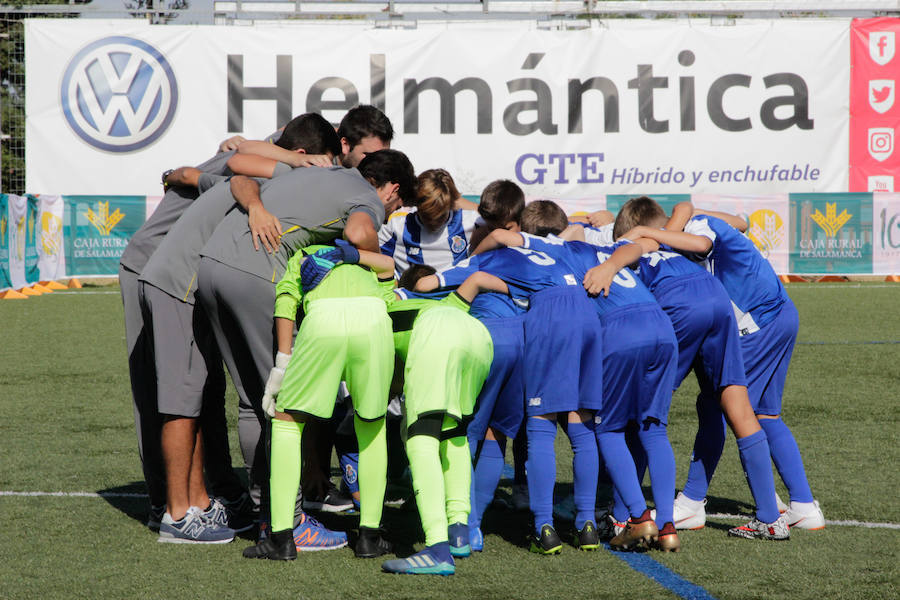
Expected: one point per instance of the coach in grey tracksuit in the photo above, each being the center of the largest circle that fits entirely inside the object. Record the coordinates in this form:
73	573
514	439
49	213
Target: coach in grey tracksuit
237	282
141	363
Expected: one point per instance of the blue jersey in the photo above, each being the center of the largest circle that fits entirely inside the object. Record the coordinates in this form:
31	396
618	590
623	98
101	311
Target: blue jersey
626	289
525	271
657	269
749	279
491	305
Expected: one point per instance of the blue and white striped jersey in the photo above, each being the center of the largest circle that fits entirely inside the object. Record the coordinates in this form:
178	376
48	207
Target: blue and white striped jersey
408	242
751	282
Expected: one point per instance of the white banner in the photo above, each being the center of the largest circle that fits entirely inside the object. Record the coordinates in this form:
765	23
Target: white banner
630	107
51	252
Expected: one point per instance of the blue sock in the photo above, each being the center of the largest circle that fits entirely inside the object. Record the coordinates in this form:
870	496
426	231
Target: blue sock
620	467
485	478
585	469
788	461
661	459
758	470
708	446
638	454
541	470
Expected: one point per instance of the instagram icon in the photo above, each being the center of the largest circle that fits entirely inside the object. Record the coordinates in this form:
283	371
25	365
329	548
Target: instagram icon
881	143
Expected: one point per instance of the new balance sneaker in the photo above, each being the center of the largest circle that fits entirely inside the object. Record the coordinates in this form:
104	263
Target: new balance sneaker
223	514
805	515
548	542
193	529
520	499
333	502
687	513
370	543
476	539
640	531
433	560
756	529
155	516
311	536
458	537
278	546
587	538
668	539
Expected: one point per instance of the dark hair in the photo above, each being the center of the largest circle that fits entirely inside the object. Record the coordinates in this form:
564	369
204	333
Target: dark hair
502	201
311	132
365	121
637	211
390	166
543	217
413	274
435	195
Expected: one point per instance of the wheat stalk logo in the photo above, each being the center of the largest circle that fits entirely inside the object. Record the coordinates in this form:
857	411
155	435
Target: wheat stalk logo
831	222
102	220
769	234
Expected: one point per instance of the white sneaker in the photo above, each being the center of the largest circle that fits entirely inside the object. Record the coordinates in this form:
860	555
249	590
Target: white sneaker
687	513
782	507
756	529
805	515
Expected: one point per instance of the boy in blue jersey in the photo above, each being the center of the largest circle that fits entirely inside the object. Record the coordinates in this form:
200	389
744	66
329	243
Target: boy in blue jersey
638	371
767	322
564	354
708	342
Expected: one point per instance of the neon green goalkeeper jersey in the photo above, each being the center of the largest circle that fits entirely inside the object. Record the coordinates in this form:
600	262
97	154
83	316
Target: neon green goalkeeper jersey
343	281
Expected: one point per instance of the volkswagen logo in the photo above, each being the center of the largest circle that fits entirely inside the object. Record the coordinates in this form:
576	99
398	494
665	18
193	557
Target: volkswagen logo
119	94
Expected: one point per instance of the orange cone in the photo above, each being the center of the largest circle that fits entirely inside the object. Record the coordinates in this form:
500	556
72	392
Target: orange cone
53	285
894	278
12	295
30	292
831	279
41	288
74	284
791	279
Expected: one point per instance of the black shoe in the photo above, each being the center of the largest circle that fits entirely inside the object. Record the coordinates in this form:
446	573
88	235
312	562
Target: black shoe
278	546
370	543
548	542
587	538
333	501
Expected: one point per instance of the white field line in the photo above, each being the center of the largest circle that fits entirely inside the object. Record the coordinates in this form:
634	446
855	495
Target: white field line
866	524
85	293
850	523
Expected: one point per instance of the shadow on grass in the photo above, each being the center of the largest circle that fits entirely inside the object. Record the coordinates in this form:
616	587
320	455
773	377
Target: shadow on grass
129	499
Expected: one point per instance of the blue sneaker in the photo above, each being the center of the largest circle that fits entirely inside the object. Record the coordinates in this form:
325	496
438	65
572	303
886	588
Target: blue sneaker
433	560
311	536
476	539
458	535
193	529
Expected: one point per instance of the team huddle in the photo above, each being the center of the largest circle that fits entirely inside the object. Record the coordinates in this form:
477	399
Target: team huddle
368	308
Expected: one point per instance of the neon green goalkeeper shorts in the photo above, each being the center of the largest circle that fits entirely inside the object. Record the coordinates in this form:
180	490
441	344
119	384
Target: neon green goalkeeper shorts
340	339
450	354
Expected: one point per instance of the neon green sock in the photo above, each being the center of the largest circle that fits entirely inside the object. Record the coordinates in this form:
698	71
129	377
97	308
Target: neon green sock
284	479
372	439
457	465
428	482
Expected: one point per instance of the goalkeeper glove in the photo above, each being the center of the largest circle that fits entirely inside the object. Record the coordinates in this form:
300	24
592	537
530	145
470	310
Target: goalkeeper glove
316	266
349	253
273	383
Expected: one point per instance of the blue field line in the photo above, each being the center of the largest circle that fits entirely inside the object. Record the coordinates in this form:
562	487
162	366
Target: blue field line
644	564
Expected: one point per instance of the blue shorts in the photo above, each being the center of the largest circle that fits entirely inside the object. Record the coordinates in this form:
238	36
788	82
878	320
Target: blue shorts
767	354
501	403
639	366
563	352
707	332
